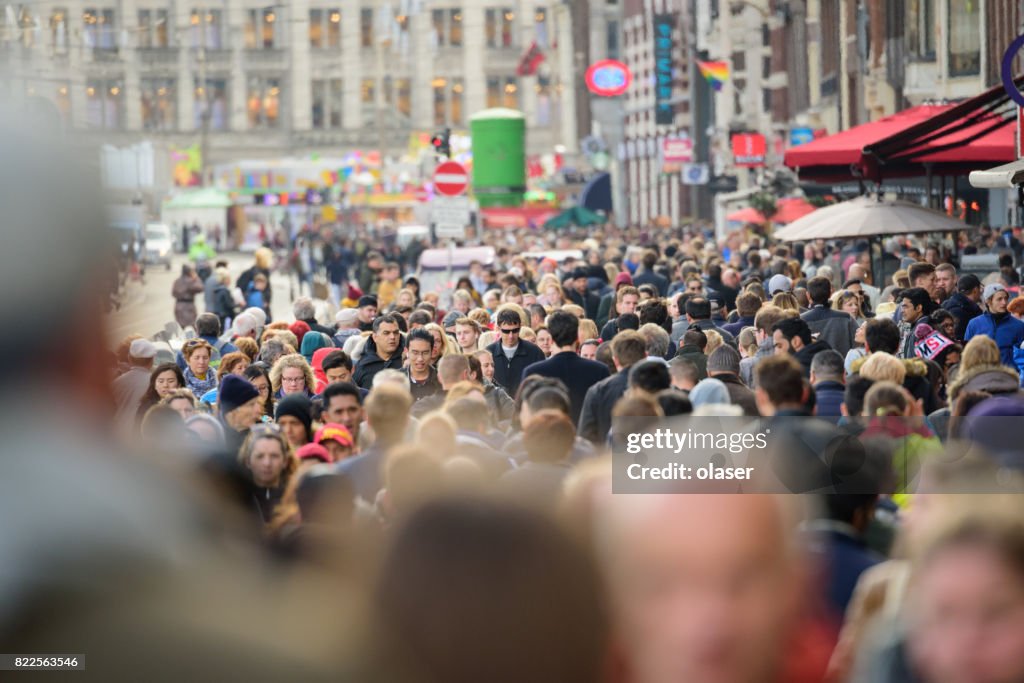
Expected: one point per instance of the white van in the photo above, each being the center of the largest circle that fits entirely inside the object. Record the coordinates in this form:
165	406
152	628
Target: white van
440	269
159	245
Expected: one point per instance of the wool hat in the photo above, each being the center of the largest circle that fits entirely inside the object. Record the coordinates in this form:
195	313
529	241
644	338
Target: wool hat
234	392
929	343
623	279
724	359
336	432
298	406
347	316
314	451
709	391
367	300
299	329
142	348
990	291
779	283
579	273
968	282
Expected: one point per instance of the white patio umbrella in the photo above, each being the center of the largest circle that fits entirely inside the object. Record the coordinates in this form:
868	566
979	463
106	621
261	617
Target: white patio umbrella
867	216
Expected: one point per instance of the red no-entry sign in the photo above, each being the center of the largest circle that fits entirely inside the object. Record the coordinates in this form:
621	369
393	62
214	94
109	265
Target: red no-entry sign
451	179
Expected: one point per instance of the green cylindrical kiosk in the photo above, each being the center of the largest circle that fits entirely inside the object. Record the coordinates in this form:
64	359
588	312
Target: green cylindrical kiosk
499	157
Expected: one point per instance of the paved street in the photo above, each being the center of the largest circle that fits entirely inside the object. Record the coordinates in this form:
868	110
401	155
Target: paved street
148	307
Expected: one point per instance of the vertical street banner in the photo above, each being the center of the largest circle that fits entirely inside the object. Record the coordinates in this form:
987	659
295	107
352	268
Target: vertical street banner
663	107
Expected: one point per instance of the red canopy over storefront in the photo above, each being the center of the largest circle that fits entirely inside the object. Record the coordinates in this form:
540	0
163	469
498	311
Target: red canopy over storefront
941	139
787	210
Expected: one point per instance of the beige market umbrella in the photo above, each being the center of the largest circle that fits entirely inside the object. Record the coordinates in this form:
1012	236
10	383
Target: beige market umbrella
867	216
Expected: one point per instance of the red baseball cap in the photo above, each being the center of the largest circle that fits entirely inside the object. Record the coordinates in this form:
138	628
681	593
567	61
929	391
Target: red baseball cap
335	431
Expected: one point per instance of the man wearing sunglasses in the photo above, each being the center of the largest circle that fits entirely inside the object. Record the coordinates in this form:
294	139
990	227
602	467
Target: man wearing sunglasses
511	354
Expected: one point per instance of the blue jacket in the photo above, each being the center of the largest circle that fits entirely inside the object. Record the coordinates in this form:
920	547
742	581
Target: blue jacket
1007	333
828	397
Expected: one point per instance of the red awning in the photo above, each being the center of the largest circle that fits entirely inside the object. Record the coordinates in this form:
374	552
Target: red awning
787	210
847	146
952	139
747	215
516	217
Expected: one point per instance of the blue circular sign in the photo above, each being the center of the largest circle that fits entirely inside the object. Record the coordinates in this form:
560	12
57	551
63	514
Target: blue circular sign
1006	72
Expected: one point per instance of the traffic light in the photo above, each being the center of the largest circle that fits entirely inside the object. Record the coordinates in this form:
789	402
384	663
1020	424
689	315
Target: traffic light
441	143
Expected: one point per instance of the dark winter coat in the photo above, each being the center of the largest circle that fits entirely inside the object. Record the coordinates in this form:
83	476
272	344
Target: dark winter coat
578	375
370	363
509	373
833	327
596	416
964	310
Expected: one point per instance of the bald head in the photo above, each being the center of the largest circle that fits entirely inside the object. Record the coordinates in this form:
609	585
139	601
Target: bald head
713	607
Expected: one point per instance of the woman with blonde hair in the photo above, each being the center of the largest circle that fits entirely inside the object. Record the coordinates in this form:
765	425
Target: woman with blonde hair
268	458
443	344
462	390
981	369
588	330
786	301
883	367
248	346
849	302
747	342
714	341
291	374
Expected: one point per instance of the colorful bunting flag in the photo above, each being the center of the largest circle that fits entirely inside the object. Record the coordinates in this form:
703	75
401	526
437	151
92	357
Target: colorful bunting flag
715	73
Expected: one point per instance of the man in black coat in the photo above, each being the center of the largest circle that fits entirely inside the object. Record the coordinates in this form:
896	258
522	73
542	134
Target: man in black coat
511	354
578	374
580	295
964	303
647	276
628	348
793	336
383	350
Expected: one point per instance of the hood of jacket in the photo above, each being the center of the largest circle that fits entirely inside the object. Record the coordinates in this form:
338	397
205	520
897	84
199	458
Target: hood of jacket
370	354
318	367
995	379
915	367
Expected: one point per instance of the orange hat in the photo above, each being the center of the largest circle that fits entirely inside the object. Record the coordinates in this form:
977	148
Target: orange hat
335	431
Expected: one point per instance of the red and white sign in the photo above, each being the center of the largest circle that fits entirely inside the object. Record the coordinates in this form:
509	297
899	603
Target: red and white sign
451	179
1020	132
677	150
608	78
749	149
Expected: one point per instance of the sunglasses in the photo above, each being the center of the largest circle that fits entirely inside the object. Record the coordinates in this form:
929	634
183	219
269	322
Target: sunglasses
514	330
265	428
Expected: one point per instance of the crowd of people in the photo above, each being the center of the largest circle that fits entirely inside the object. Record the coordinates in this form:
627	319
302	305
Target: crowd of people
371	414
420	489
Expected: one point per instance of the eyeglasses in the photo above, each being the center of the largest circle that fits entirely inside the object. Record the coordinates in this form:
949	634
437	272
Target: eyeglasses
512	330
292	380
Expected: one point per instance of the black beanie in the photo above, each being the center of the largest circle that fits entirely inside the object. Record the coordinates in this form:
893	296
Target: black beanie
235	391
298	406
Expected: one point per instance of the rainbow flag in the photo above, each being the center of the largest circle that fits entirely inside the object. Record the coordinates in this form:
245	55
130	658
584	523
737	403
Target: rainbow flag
716	73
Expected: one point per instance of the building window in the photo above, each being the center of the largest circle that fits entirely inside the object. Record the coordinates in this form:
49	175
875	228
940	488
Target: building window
158	97
447	27
830	46
59	30
104	103
493	92
920	29
499	27
403	92
540	21
211	97
510	93
458	86
327	103
440	108
964	38
366	27
544	101
153	28
205	29
261	28
368	97
100	31
263	102
324	28
612	40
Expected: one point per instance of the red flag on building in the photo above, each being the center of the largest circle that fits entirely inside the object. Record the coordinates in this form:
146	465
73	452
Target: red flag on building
530	61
